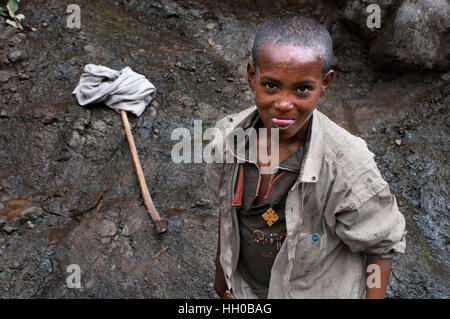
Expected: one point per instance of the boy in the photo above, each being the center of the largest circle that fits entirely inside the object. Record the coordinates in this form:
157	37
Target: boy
323	216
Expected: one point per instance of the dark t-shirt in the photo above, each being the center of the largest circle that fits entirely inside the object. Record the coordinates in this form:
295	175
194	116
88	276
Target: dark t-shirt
260	242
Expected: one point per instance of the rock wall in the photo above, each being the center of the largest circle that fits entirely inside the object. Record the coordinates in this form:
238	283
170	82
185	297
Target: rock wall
57	158
413	35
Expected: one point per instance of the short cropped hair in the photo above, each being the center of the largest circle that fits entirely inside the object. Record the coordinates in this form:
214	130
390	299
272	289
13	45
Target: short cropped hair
297	30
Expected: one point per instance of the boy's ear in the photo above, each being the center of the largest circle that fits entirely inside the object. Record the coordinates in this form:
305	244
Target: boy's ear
251	75
326	81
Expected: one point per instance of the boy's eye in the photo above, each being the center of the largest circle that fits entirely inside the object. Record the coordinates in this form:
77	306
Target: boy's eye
270	86
302	89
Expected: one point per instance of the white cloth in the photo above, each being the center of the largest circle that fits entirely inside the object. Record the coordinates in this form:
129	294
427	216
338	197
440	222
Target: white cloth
120	90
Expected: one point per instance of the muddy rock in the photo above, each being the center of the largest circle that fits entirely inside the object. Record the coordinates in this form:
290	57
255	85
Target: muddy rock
227	27
134	225
126	231
17	56
75	161
4	76
17	40
413	34
415	37
107	229
99	126
355	14
7	34
90	49
10	228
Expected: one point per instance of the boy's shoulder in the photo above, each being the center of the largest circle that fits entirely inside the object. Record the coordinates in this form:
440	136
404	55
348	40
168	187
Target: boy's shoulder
336	136
348	154
338	141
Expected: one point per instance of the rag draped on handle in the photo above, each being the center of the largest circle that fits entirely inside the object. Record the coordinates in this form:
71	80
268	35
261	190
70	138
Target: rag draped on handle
120	90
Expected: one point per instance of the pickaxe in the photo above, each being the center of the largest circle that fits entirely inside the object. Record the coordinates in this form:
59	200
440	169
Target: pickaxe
123	91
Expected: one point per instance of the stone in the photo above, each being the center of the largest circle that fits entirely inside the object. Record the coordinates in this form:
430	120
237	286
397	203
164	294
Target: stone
126	231
126	249
99	126
7	33
107	228
81	124
15	265
155	103
24	76
89	49
135	224
210	26
172	9
152	111
17	56
202	202
16	40
105	240
187	101
9	228
90	283
76	140
4	76
446	77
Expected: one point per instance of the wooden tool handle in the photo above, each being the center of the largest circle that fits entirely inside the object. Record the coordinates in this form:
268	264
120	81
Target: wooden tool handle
144	189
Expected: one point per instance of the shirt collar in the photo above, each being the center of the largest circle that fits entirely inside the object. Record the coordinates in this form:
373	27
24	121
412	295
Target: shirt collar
312	160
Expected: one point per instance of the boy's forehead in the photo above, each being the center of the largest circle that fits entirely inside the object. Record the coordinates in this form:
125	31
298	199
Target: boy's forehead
287	54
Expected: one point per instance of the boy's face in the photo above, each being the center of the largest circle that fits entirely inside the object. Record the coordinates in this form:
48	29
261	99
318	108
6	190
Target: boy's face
287	82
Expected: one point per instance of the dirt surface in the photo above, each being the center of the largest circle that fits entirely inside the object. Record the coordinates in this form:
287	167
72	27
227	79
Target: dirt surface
58	158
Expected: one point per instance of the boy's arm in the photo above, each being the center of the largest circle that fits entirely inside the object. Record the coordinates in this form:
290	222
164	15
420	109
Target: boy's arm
377	230
376	288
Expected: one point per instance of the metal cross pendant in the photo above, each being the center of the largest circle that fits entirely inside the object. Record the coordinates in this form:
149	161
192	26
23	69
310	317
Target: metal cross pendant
270	216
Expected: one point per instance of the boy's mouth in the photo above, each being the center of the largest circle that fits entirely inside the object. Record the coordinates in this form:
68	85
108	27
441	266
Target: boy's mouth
282	124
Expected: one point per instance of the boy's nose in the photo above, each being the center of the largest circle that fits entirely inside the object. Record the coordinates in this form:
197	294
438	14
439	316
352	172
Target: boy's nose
284	104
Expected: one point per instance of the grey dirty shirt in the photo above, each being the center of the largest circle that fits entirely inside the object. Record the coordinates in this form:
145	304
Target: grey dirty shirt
339	212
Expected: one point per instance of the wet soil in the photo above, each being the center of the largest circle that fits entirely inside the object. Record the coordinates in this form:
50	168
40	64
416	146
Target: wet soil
58	159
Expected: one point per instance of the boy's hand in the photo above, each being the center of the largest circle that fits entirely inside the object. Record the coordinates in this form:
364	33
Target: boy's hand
220	287
225	295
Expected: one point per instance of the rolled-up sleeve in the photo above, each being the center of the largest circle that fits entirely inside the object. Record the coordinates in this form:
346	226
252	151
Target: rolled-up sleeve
376	228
